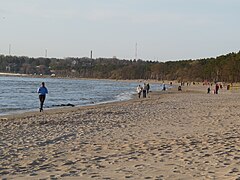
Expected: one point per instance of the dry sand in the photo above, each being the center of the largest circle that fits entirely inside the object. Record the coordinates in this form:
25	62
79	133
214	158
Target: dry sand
174	135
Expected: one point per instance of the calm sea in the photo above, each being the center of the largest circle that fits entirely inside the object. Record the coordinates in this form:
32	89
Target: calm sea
19	94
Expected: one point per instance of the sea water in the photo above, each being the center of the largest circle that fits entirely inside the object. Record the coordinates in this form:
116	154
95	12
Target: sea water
19	94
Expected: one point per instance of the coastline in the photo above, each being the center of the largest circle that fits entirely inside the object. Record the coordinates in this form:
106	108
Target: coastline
117	97
175	135
64	109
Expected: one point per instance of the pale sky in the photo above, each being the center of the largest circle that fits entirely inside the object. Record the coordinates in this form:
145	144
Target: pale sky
163	29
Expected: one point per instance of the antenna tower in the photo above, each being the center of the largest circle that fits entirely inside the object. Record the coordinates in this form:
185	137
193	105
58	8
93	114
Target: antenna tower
45	53
136	52
9	49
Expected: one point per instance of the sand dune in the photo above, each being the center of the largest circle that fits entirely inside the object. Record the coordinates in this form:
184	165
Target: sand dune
175	135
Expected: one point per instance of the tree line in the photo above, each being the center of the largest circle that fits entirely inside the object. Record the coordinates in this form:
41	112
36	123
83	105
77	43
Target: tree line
225	68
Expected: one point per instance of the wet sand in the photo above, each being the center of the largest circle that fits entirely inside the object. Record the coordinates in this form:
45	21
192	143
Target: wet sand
170	135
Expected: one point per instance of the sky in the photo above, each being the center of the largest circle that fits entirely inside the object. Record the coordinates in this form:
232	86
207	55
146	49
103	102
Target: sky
158	30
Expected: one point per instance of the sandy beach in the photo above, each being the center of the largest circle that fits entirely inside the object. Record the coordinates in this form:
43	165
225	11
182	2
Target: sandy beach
171	135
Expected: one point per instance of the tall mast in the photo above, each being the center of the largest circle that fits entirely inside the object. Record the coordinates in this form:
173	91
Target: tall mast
9	49
45	53
136	51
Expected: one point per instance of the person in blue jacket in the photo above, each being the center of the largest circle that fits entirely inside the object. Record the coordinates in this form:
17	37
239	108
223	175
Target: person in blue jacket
42	91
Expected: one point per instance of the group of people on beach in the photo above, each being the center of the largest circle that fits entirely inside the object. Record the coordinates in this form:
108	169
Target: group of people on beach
216	89
143	90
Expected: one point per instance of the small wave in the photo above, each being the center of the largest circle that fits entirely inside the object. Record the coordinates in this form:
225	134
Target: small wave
3	110
124	96
8	111
121	97
60	105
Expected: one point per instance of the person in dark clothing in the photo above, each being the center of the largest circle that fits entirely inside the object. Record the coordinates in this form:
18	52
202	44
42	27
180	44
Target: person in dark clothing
216	88
208	90
42	91
164	87
144	90
148	88
179	88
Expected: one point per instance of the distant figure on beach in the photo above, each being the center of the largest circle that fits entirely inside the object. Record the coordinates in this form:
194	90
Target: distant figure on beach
139	90
221	86
216	88
228	87
179	88
42	91
208	90
164	87
144	90
148	88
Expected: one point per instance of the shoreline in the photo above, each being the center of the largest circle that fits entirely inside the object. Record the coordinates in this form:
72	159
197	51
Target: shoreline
63	109
4	114
50	110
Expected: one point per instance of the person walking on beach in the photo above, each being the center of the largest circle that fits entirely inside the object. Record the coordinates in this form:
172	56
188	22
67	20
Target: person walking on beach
139	90
208	90
42	91
144	90
216	88
164	87
148	88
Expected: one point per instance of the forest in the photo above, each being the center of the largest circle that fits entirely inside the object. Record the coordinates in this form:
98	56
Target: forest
224	68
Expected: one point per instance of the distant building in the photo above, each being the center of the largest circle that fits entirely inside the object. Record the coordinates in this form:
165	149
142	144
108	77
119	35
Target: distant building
11	67
8	68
